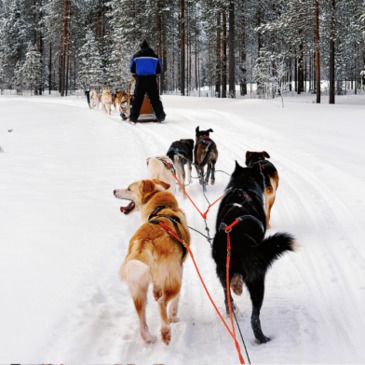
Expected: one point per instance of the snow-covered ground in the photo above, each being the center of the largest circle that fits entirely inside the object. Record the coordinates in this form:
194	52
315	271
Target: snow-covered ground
63	238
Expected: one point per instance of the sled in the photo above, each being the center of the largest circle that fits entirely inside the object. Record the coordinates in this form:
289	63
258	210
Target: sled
146	113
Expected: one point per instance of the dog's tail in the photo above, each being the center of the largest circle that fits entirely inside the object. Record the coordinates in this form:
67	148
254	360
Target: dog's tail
272	247
136	274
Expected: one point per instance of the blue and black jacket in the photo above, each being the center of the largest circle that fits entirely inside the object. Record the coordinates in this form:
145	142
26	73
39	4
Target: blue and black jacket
145	63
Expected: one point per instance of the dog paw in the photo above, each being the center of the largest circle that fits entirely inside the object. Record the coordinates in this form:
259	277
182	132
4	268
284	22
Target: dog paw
166	335
263	339
148	338
174	319
237	284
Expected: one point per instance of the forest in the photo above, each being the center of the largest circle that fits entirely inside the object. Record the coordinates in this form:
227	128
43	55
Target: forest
221	48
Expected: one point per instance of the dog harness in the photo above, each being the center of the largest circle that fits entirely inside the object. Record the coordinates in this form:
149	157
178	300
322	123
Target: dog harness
153	218
167	164
180	152
207	141
262	164
223	226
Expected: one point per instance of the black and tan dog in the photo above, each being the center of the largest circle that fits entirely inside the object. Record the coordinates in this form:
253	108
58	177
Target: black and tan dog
271	178
181	153
205	154
251	253
154	256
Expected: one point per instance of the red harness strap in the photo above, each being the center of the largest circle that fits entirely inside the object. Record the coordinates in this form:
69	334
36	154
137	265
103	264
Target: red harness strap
231	332
228	294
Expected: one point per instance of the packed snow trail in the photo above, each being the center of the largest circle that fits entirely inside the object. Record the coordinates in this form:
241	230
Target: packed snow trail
64	229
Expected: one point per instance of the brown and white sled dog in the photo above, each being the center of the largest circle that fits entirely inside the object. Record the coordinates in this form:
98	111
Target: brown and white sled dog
161	168
271	178
154	256
94	99
106	100
181	152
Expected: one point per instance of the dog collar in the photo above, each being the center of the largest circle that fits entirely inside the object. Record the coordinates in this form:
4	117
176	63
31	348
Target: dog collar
206	141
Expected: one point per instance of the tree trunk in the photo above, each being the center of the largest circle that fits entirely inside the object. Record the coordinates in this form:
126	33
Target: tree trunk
231	69
242	59
64	49
259	45
50	68
224	54
318	61
100	25
218	58
160	43
332	55
300	70
67	71
182	46
196	62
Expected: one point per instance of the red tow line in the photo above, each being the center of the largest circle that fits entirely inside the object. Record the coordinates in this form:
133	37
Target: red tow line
233	331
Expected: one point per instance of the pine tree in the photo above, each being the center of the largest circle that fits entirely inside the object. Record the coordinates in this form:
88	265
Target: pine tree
119	46
13	40
28	76
90	63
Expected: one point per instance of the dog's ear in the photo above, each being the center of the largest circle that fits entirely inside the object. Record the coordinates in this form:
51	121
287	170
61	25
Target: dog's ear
161	183
147	160
147	186
265	154
238	168
197	130
210	130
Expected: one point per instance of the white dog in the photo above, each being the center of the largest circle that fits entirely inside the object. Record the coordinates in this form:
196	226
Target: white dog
106	100
161	168
94	99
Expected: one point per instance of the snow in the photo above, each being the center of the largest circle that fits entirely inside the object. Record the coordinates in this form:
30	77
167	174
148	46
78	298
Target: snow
63	238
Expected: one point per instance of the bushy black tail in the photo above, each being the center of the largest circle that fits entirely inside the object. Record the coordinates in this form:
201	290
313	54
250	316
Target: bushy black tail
271	248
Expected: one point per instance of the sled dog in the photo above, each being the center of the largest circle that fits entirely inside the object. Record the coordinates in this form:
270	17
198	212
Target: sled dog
161	168
251	253
271	178
205	154
106	100
155	256
181	152
94	99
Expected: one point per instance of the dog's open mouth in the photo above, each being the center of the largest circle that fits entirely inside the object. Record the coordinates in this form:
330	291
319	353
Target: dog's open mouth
127	209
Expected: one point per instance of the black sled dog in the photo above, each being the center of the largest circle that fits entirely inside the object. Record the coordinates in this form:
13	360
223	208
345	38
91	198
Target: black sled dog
181	153
251	253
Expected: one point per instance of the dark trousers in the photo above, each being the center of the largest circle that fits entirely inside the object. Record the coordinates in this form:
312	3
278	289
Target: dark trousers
146	84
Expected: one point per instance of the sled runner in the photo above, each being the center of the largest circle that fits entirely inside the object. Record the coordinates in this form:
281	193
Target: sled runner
146	113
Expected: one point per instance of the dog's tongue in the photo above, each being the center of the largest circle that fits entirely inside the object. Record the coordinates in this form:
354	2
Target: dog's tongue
128	208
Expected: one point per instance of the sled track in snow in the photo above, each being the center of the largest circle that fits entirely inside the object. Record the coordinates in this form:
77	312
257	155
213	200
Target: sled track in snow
301	291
